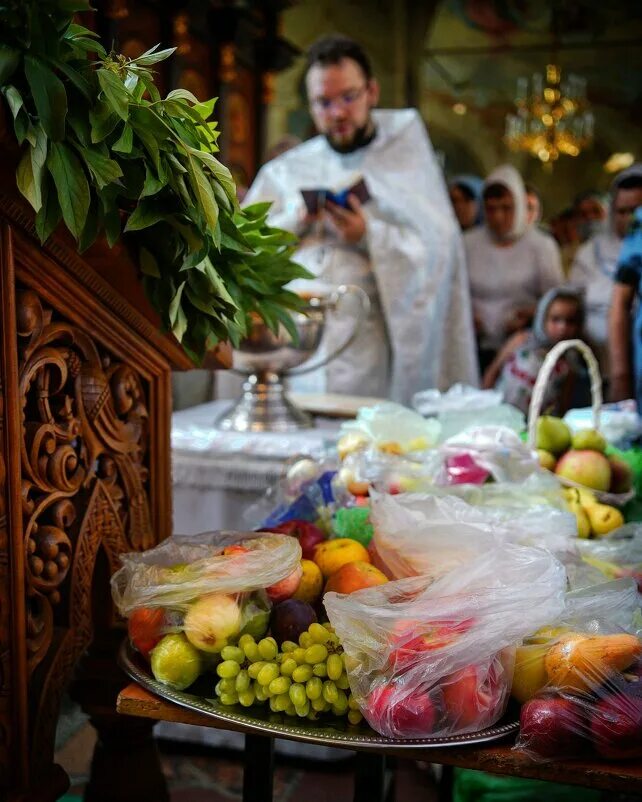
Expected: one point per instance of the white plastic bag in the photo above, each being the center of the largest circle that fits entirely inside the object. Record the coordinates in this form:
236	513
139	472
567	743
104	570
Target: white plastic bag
497	449
433	659
420	534
390	423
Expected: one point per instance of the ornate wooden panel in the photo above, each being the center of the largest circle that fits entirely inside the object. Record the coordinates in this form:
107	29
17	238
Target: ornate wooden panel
84	466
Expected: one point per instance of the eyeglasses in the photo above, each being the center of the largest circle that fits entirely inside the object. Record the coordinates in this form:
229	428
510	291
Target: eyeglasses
344	100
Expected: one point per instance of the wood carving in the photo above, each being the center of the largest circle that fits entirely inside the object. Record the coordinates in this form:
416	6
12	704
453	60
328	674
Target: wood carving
5	630
84	461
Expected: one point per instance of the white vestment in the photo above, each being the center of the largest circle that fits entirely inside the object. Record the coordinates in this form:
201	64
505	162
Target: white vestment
419	333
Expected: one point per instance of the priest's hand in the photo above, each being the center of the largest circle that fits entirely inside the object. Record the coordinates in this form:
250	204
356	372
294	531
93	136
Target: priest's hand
348	224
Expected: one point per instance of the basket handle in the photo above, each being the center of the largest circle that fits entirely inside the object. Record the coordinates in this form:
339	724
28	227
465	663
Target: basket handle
544	375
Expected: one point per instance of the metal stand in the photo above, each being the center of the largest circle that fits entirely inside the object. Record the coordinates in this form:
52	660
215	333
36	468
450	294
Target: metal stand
264	407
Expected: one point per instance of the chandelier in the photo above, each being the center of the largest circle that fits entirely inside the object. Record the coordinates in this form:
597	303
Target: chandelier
552	118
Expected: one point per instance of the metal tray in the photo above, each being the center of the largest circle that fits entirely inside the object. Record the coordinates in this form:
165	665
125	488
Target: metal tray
260	719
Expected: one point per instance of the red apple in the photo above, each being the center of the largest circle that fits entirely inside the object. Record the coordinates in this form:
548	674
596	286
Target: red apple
552	726
285	588
398	716
472	696
145	628
306	533
616	727
230	551
435	636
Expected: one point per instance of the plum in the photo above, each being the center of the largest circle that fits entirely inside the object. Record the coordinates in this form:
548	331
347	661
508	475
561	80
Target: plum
289	619
616	726
552	726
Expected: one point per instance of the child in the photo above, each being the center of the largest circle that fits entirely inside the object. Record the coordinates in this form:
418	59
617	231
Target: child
559	316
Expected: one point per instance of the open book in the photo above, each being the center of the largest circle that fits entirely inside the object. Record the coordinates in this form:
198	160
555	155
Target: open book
316	198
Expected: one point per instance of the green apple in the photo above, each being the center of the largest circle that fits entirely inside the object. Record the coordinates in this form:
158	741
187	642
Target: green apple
213	621
175	662
552	434
589	439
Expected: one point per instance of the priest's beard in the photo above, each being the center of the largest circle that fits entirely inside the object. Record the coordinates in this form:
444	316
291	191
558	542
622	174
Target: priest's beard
362	136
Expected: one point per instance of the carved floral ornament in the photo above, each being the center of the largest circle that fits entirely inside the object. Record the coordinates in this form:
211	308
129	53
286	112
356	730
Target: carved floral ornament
84	469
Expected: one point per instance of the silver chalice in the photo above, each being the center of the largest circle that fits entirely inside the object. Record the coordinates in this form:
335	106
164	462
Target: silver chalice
266	358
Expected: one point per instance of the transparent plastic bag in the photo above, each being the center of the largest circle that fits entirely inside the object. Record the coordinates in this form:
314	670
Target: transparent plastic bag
496	449
391	426
419	534
580	679
189	598
430	659
618	555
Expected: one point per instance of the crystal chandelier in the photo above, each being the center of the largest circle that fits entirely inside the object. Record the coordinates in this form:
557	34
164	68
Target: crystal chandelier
553	118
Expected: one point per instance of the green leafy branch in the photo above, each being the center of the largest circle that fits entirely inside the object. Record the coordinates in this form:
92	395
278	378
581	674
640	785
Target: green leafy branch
104	153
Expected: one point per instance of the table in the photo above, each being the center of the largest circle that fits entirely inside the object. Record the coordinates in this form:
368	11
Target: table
218	477
370	767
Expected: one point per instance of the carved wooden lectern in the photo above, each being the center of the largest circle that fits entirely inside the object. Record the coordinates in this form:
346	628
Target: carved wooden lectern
85	407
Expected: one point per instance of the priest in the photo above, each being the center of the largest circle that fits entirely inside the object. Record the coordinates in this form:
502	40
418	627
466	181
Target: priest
393	233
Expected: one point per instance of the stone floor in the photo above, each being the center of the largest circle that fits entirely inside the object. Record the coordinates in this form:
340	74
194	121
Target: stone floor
203	774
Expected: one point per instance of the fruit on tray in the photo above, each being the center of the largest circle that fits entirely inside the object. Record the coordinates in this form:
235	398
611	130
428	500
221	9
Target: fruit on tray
604	519
546	459
529	675
255	611
212	621
581	515
471	696
289	619
355	576
350	442
552	435
304	678
589	468
553	726
145	628
311	584
305	532
581	662
403	713
616	726
176	662
332	554
285	588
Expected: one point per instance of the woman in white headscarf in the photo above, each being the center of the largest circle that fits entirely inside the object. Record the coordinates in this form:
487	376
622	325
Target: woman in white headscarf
510	264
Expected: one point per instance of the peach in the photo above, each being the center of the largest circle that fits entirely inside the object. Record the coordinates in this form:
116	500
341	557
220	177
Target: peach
355	576
332	554
311	583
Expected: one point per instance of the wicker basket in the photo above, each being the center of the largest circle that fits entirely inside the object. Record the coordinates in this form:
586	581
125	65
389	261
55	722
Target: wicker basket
615	499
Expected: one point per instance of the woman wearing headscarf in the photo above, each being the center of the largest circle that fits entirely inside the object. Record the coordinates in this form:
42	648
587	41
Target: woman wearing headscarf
595	262
466	197
510	264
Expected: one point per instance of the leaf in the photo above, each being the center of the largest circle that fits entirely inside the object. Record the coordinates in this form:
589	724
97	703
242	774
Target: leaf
49	95
13	98
29	175
104	169
88	46
74	30
144	215
112	226
115	92
183	94
152	184
177	319
73	75
71	186
72	6
50	213
125	141
92	225
153	56
103	121
9	60
206	109
148	264
203	193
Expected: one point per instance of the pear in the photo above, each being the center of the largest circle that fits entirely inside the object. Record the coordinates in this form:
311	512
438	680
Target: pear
589	439
175	662
589	468
546	459
552	434
604	519
212	622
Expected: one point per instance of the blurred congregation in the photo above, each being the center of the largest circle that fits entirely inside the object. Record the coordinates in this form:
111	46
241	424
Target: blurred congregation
495	150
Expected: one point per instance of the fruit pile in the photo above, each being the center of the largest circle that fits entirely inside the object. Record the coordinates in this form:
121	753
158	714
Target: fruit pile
579	457
579	691
305	678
